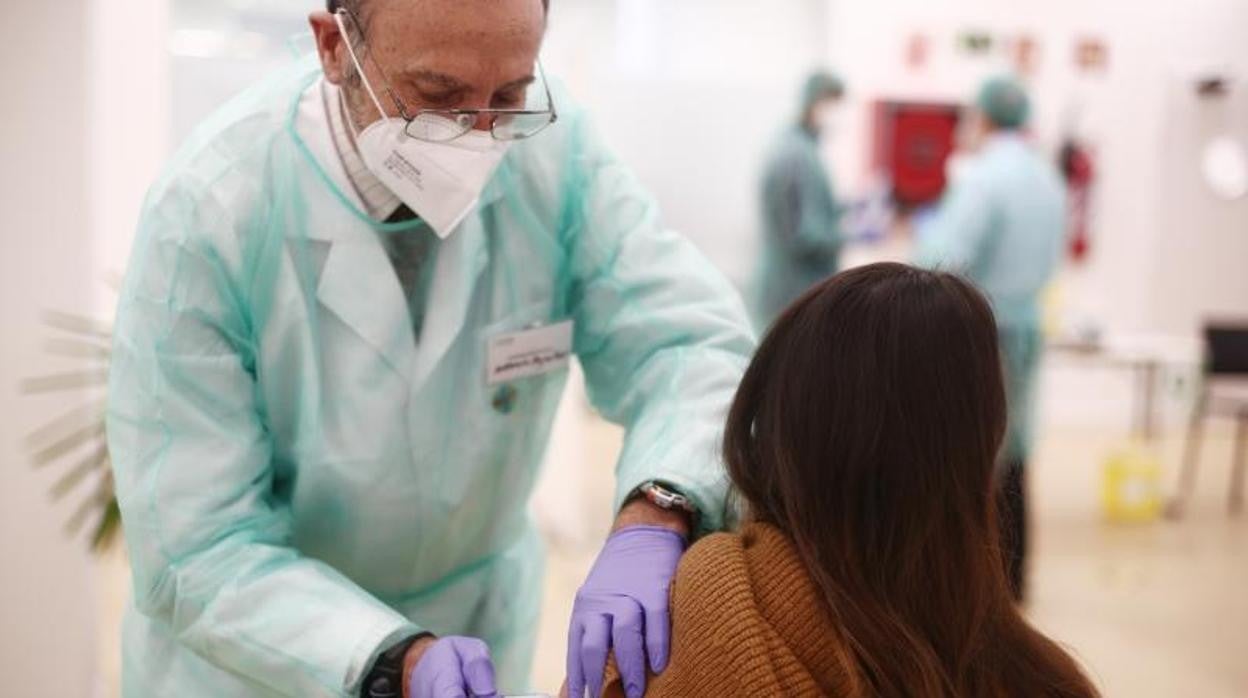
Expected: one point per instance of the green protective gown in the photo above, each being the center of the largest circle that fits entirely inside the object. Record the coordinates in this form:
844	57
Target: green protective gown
302	482
1002	225
801	238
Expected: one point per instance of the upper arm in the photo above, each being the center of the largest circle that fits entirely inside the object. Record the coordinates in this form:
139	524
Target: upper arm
641	289
191	456
662	336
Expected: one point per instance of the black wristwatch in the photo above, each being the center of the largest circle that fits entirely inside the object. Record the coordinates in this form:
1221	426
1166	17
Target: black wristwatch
386	678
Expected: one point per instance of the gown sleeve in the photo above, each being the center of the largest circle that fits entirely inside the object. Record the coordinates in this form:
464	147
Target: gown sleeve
210	543
662	335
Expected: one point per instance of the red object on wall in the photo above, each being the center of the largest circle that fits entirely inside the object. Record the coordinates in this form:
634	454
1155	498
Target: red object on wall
1080	173
912	142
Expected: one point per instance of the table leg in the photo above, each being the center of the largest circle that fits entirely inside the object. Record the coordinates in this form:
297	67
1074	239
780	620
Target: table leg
1241	463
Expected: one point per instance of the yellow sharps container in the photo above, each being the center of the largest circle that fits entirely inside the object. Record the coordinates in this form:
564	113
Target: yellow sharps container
1131	485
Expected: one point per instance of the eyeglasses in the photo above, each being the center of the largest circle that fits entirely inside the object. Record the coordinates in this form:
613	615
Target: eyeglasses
445	125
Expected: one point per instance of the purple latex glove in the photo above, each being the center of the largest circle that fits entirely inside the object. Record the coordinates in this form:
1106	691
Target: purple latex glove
624	605
454	667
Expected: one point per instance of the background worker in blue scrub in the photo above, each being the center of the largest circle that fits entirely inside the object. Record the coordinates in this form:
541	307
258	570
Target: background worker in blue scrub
342	339
801	231
1002	224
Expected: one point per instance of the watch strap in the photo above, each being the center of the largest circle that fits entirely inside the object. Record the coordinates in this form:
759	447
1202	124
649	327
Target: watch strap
385	680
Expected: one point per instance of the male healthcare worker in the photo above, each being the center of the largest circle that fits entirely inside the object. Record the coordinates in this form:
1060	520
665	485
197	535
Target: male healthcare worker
801	238
1002	225
343	336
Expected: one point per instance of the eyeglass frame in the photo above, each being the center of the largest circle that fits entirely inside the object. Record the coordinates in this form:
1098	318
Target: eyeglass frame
451	114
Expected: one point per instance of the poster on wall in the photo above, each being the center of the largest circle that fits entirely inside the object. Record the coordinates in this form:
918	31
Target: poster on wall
1021	52
1024	55
975	42
1091	55
918	48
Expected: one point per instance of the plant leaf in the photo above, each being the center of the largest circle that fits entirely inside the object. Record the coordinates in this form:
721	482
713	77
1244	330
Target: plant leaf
65	425
76	349
92	463
99	499
77	324
107	529
68	443
72	380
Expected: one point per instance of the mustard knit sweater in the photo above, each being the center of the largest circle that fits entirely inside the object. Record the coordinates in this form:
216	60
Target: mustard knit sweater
747	621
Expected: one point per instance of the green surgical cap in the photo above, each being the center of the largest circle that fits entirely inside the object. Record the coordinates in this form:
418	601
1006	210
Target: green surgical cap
821	85
1004	102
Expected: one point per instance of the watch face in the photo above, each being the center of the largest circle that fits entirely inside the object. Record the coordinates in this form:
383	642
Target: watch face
662	497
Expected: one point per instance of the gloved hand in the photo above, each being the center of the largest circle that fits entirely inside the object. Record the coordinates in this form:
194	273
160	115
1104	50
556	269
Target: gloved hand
624	600
454	667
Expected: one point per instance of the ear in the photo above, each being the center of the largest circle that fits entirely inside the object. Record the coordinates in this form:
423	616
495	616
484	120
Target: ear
329	45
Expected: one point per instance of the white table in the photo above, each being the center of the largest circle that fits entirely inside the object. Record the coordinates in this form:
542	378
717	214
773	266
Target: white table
1145	355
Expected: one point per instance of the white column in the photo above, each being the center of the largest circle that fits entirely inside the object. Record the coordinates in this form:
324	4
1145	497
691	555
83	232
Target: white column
48	644
128	129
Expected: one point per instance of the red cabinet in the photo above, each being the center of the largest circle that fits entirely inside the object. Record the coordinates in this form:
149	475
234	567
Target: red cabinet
911	143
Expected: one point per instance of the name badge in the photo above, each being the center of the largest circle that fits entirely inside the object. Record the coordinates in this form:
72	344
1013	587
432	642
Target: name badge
526	353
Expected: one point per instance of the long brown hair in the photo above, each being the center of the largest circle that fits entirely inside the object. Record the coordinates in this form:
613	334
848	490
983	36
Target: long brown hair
867	428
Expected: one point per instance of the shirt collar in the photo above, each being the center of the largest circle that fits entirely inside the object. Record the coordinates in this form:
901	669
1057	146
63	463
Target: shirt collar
379	202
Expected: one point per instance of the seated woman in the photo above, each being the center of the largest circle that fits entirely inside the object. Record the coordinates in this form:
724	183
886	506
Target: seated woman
862	443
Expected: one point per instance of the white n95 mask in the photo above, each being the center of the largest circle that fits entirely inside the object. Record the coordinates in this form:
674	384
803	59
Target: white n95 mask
828	118
440	182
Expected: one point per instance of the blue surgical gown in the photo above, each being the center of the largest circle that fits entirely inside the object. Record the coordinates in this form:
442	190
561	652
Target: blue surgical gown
801	238
1002	225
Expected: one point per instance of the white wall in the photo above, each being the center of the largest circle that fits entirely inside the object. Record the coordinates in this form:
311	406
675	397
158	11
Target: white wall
128	129
47	644
1132	281
689	94
1201	264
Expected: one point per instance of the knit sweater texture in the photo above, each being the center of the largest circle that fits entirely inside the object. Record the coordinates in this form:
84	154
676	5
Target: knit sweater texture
748	621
